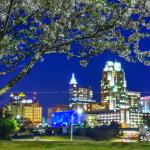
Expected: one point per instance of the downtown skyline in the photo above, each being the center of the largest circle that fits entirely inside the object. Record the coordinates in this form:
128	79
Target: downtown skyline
51	81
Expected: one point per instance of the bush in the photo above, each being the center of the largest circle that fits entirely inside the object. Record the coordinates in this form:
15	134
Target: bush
100	133
8	127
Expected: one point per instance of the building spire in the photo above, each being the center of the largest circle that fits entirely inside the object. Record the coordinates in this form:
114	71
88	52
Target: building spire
73	79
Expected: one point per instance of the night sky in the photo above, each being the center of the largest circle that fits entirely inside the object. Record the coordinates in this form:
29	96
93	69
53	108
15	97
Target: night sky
51	77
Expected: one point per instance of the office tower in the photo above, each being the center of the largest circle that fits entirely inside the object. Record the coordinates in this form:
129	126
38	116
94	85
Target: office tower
79	96
113	86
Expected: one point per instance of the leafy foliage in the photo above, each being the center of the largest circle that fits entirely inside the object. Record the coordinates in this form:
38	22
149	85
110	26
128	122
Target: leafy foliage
30	29
8	126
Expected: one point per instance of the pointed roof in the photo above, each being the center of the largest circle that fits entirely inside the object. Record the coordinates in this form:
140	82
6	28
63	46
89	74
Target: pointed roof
73	79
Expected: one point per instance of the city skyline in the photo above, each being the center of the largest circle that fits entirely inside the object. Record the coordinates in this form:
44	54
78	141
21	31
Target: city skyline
56	80
75	71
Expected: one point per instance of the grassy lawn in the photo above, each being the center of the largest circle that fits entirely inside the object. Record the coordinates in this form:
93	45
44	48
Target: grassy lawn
56	138
76	145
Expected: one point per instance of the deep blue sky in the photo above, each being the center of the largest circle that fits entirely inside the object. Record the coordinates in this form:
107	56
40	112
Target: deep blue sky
53	75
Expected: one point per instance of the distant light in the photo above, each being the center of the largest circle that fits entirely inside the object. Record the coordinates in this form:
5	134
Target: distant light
79	111
18	117
145	127
21	95
110	63
145	98
117	66
73	79
11	95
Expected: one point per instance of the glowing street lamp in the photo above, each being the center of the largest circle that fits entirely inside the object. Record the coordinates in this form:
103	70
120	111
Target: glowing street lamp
79	112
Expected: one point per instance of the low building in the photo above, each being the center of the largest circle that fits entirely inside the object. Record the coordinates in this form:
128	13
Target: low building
22	107
124	117
102	118
57	108
94	107
31	111
136	119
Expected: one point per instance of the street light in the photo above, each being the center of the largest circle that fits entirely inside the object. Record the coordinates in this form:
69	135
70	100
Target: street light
79	112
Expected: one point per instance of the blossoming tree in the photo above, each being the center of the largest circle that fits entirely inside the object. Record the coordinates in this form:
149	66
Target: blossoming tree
30	29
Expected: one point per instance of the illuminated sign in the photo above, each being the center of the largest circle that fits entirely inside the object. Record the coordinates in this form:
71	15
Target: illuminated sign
27	101
21	95
64	118
146	98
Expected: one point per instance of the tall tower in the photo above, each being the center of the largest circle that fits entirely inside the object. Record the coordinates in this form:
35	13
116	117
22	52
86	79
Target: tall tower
113	86
73	90
79	96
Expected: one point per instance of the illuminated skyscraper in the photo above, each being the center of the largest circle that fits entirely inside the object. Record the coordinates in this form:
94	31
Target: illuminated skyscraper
79	96
113	86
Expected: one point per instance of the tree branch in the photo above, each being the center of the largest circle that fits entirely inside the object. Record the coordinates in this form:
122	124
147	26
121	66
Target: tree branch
7	19
24	71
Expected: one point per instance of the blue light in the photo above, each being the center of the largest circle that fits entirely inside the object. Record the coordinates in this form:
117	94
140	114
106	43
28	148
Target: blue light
64	118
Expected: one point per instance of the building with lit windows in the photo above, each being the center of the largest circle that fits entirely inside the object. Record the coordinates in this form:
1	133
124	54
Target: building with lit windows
136	119
79	96
123	117
57	108
22	107
144	104
133	99
91	119
113	86
94	107
33	112
108	117
102	118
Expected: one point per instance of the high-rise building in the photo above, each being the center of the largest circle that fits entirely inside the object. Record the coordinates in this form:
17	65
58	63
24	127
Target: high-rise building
79	96
113	86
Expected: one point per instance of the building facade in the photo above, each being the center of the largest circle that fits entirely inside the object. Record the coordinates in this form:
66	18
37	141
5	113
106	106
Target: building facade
79	96
133	99
57	108
21	107
144	104
102	118
113	86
